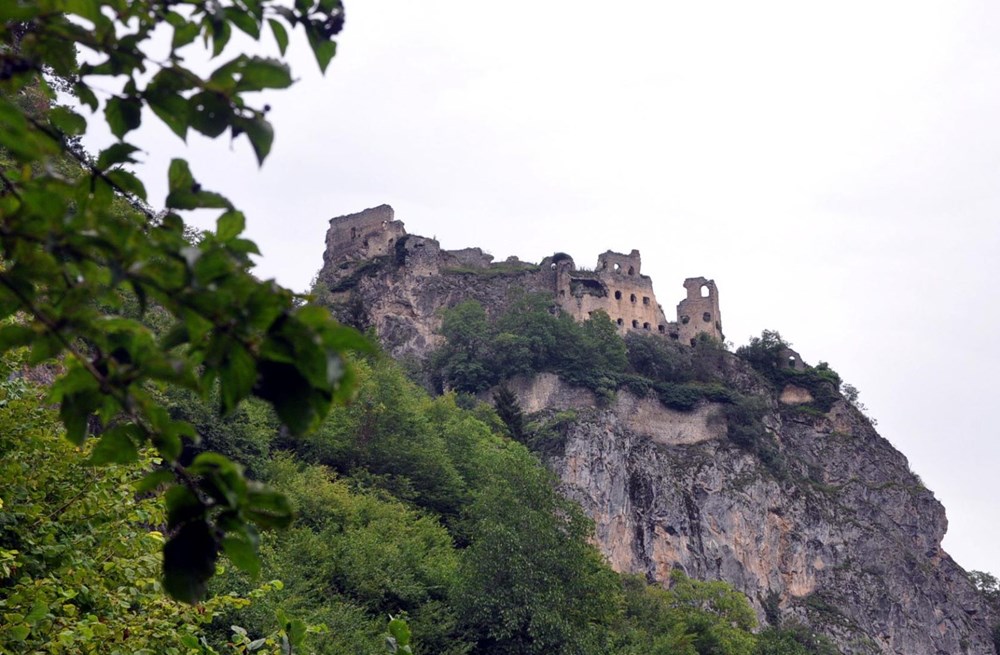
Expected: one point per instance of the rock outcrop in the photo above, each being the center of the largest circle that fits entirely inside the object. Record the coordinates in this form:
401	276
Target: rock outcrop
843	537
827	526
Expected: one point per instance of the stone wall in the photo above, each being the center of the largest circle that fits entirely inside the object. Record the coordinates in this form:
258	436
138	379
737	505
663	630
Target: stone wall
699	312
372	243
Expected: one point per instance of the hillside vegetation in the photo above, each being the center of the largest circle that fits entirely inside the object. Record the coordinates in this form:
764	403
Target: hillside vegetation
406	506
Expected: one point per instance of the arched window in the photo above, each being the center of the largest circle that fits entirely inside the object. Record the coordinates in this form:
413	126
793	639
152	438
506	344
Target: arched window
705	291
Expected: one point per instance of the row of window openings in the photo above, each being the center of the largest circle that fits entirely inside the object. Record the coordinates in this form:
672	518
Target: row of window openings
662	328
645	326
632	297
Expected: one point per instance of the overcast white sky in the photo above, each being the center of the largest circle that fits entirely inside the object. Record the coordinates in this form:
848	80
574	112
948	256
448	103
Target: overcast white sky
833	166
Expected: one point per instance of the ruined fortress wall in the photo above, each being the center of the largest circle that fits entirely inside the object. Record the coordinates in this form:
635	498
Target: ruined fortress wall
699	312
404	280
616	287
365	235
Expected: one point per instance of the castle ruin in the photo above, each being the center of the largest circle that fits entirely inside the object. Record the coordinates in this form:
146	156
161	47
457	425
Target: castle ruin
419	277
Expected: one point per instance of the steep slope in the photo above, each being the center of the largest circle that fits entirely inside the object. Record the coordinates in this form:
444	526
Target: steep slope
791	498
843	536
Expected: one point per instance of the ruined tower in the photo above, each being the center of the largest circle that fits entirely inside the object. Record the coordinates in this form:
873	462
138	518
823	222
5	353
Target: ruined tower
699	312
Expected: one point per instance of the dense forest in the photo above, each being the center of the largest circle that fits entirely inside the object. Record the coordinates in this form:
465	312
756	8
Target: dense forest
407	506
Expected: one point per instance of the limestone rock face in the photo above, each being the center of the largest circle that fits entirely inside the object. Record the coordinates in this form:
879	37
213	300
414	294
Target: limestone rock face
832	529
845	538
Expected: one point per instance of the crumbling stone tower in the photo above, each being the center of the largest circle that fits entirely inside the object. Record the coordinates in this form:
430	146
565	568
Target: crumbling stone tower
699	312
362	236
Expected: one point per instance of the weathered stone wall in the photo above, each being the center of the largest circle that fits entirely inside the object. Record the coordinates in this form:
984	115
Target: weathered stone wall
616	287
699	312
373	244
362	236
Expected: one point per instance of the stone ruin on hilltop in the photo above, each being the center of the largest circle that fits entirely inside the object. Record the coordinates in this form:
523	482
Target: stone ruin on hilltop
372	245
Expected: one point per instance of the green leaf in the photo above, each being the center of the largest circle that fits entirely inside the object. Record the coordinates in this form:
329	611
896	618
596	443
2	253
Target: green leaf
20	632
189	561
171	108
242	554
260	73
117	446
282	385
38	611
75	410
220	35
280	35
210	113
67	121
182	506
184	33
189	641
268	508
323	49
154	480
261	136
15	336
127	182
244	21
230	225
236	378
179	176
89	9
117	153
19	11
123	115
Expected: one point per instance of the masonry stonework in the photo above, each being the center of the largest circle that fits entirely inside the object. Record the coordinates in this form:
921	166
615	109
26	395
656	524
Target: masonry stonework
374	241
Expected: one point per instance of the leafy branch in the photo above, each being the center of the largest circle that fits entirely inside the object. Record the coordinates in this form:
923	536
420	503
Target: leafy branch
78	244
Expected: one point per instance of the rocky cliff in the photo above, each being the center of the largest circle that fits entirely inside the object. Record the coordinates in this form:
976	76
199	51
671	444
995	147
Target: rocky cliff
816	518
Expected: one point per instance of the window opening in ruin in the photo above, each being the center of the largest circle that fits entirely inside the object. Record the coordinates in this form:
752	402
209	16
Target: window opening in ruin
553	267
365	243
632	297
635	324
705	291
645	326
631	270
354	233
621	322
662	328
618	295
562	293
675	337
706	317
791	362
645	300
618	267
685	319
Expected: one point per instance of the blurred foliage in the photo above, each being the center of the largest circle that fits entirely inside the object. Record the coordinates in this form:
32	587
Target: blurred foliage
83	259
